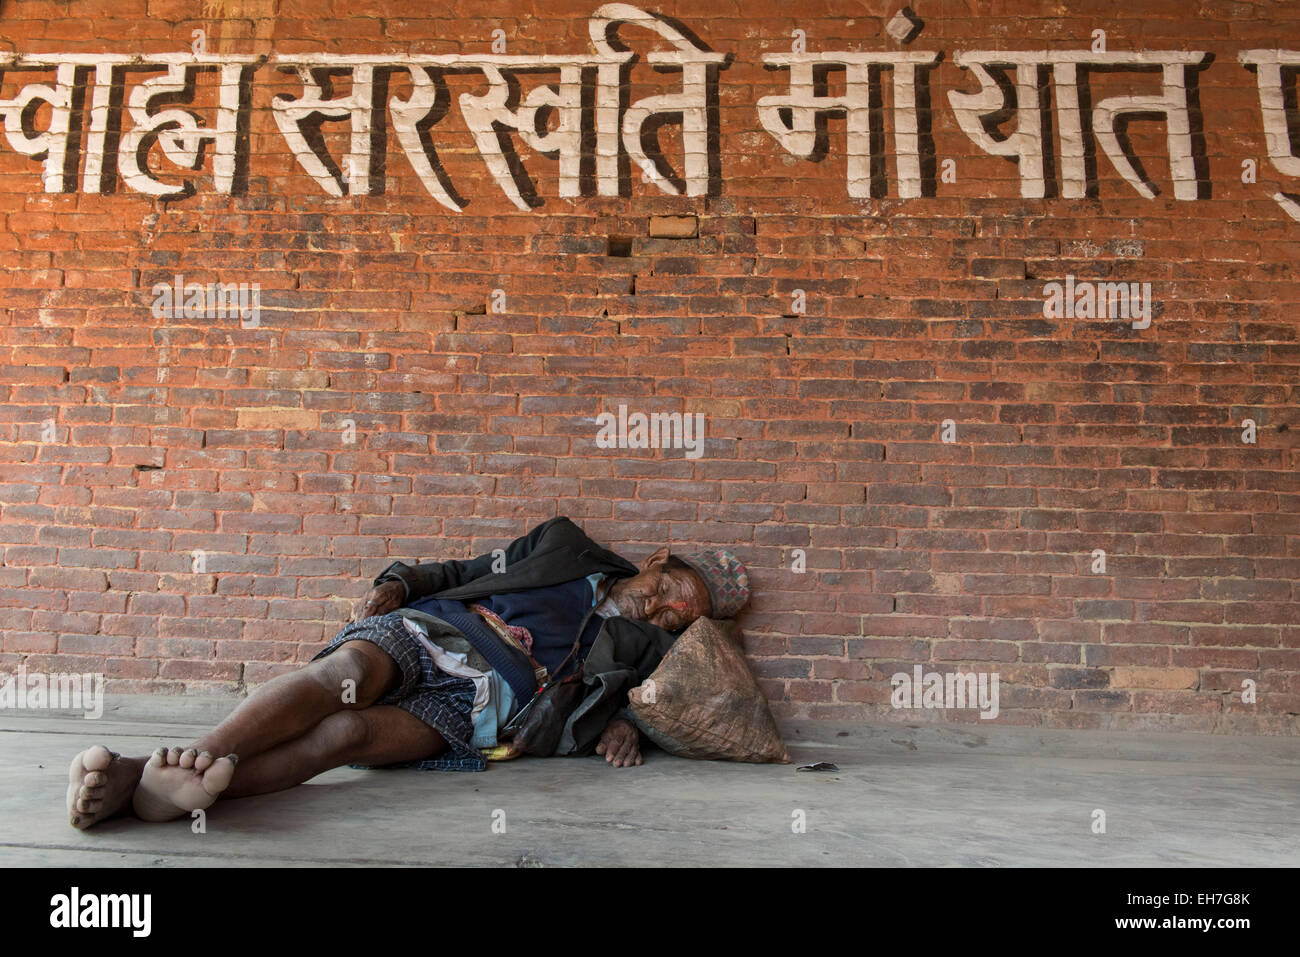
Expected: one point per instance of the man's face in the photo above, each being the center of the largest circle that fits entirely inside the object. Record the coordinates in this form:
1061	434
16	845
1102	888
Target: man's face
671	598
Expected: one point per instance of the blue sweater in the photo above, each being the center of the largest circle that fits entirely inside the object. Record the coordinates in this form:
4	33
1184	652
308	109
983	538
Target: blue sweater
552	616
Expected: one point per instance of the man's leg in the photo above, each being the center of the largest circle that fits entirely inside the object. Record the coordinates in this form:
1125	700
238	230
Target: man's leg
102	784
180	780
290	705
378	735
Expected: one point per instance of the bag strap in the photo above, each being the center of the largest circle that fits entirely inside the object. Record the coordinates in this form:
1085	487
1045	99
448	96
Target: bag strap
515	723
607	585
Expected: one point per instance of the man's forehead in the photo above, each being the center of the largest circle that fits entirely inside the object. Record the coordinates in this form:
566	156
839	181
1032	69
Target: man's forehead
689	578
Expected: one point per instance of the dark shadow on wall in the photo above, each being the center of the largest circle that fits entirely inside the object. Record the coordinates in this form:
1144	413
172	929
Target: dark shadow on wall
1047	121
378	171
925	128
1200	155
243	121
1290	77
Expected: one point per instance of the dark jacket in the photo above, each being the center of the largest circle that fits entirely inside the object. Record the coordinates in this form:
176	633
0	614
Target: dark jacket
625	651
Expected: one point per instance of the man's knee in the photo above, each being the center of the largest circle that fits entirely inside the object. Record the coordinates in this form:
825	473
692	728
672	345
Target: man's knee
376	736
345	736
359	672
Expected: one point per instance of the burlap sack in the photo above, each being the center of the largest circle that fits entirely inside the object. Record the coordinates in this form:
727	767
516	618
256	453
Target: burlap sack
703	702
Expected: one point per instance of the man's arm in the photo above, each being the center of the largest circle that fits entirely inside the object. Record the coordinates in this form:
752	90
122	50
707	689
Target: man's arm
400	584
383	598
620	742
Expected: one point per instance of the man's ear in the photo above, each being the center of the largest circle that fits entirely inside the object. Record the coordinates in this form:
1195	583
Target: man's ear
654	561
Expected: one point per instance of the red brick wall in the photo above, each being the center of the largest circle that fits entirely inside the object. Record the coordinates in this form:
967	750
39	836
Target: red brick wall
128	442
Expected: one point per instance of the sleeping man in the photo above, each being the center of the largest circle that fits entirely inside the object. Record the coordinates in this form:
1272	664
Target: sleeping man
441	670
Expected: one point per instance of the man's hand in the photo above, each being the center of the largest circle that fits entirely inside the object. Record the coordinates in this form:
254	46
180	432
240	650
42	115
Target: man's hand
620	743
381	599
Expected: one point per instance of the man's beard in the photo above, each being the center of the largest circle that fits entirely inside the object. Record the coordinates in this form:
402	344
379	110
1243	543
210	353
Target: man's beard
629	605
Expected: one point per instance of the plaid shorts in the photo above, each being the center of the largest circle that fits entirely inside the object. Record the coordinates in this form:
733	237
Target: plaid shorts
443	701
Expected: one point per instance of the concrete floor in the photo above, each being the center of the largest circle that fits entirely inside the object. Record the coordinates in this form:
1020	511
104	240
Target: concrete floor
905	796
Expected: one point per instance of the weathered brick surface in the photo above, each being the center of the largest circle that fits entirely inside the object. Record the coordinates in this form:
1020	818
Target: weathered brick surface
187	503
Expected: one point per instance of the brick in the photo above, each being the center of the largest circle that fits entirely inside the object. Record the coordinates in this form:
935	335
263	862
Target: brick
276	419
1072	678
1164	679
673	227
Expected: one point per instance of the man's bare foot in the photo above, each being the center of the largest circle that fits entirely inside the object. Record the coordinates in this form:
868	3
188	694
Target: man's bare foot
175	782
100	785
